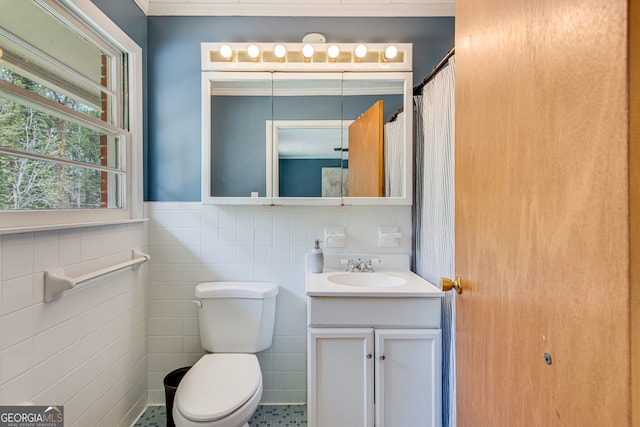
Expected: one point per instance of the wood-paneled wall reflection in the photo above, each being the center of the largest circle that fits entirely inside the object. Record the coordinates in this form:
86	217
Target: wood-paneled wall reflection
366	153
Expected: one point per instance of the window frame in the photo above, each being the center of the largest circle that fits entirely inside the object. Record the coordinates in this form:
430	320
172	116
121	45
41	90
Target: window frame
90	16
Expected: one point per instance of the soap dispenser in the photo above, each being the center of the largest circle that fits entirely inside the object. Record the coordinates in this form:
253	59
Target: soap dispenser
316	260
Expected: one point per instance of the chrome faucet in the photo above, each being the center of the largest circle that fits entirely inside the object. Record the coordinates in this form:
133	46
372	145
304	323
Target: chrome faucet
360	265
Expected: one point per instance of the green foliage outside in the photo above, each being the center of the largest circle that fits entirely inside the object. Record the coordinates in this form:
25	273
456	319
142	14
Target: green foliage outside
27	184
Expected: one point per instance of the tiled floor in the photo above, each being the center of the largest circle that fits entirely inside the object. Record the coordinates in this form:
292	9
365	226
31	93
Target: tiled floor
265	416
279	416
153	416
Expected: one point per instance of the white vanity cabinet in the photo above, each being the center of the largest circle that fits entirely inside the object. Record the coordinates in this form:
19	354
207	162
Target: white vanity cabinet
340	377
365	377
408	377
374	346
374	359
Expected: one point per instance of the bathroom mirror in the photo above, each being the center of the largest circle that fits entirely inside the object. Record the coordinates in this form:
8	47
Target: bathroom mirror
240	105
308	137
309	159
302	138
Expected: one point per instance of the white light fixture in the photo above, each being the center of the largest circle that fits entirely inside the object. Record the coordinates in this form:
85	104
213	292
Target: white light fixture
226	51
253	51
280	51
308	55
314	38
307	51
333	52
390	52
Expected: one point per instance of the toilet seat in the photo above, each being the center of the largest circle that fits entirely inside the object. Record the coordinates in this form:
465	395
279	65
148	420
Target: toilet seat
218	385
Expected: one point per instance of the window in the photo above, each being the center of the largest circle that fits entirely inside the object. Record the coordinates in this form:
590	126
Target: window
69	154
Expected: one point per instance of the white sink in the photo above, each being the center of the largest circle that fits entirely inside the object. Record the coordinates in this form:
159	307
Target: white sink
392	297
366	280
392	279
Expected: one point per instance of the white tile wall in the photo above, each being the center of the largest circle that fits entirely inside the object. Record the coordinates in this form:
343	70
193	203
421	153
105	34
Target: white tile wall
86	350
191	243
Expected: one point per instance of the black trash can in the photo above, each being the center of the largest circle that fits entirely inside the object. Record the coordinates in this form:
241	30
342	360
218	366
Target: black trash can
171	381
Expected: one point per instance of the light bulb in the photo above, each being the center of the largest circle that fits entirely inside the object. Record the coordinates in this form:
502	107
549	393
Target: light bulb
333	51
280	51
390	52
226	51
307	51
361	51
253	51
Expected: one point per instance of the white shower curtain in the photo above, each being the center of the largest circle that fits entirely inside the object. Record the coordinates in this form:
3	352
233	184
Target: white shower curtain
393	156
434	210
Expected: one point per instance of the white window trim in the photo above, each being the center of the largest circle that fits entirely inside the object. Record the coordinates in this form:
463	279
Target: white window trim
29	221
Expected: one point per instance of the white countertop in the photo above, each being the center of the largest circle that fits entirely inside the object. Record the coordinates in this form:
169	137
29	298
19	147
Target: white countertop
318	285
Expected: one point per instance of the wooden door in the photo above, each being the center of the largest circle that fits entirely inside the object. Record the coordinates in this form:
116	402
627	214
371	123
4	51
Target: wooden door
634	205
366	153
542	213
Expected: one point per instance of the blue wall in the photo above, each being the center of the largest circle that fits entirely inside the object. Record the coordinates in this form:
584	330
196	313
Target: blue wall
171	67
248	148
172	156
303	177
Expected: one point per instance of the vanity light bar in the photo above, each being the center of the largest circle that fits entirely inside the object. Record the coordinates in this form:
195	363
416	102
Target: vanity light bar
306	56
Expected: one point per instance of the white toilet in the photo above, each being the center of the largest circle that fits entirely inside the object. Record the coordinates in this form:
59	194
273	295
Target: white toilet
224	387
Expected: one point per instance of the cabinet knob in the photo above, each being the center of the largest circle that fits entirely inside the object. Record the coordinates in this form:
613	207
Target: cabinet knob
369	356
382	357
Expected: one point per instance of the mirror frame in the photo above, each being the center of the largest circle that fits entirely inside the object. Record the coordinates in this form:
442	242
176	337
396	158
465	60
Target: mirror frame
374	68
273	172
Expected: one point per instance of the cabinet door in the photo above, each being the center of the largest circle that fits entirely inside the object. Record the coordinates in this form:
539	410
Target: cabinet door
408	377
340	377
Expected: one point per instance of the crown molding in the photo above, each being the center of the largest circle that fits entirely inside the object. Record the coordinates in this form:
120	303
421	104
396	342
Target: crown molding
143	5
164	8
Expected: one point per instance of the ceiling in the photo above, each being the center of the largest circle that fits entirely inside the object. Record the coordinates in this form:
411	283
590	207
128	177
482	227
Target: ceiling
364	8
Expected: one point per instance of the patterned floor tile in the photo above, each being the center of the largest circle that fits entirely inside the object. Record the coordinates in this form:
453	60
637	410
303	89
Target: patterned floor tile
265	416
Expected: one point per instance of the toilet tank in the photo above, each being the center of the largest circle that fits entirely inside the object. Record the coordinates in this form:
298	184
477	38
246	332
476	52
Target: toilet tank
236	317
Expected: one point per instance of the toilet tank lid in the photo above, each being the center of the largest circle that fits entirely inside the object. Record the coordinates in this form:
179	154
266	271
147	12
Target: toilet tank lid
255	290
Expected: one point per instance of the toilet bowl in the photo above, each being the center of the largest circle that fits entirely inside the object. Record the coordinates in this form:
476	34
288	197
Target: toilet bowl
224	387
220	390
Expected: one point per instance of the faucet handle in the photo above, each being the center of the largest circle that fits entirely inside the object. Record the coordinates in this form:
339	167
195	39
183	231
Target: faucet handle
369	264
350	264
